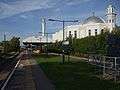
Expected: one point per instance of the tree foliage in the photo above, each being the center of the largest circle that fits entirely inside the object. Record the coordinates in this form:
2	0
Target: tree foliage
56	47
12	45
92	44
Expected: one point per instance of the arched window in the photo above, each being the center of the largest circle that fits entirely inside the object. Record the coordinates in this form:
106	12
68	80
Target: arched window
113	20
69	33
109	21
102	30
75	34
89	32
95	32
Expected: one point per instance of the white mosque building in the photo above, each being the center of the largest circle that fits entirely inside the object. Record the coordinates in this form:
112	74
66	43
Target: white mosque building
91	26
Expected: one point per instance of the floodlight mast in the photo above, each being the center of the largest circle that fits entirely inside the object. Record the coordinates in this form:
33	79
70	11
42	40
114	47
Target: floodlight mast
63	22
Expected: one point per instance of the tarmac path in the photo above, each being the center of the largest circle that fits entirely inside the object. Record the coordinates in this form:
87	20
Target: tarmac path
29	76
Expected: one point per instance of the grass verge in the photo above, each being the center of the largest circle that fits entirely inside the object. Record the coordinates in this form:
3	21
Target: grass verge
73	75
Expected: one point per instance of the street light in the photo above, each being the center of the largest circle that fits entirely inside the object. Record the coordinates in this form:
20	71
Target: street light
63	21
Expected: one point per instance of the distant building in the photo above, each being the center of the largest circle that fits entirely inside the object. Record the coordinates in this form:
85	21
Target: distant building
39	39
91	26
37	43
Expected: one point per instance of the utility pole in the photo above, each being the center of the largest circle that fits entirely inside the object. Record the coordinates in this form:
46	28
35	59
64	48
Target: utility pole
63	41
4	37
4	42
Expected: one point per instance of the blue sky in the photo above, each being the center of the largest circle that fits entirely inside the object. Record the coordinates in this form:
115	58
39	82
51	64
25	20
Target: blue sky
23	17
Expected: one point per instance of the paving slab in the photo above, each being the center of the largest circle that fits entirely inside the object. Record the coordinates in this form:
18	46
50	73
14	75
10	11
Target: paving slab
29	76
22	78
41	80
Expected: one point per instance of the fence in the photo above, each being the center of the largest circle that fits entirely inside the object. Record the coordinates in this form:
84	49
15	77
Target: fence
110	66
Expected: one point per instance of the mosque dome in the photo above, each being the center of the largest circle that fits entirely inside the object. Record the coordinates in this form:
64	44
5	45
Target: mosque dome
93	19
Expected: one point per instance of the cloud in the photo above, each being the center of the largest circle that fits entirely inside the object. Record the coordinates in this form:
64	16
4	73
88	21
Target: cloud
12	7
8	9
23	16
71	2
57	10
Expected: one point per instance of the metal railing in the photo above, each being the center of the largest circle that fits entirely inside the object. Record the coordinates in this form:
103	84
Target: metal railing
110	66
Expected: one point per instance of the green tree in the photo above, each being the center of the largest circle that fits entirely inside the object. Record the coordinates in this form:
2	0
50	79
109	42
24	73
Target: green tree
95	44
14	44
11	46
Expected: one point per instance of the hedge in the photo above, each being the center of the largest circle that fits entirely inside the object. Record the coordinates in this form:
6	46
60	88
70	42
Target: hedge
93	44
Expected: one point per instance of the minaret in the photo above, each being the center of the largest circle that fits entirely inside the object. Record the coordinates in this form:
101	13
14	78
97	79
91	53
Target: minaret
43	26
111	17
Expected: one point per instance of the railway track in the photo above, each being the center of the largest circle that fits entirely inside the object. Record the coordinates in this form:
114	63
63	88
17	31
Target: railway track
8	70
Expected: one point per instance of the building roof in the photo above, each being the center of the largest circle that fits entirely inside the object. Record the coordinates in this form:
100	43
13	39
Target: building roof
37	39
93	19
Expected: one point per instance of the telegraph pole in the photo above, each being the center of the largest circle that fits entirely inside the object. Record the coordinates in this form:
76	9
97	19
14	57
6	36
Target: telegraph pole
63	41
4	42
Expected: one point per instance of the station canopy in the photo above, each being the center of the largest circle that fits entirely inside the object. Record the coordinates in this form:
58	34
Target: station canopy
37	40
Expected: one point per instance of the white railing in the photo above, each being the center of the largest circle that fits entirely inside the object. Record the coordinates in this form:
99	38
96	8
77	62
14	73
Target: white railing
109	65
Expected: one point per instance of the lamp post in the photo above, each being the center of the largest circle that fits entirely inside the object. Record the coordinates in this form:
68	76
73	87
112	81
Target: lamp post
63	22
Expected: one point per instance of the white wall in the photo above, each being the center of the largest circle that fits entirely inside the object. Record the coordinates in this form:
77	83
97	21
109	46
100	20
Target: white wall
82	30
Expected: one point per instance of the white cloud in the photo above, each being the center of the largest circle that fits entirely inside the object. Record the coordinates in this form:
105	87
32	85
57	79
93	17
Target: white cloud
20	6
74	2
57	10
11	8
23	16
